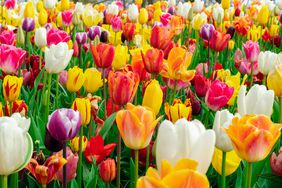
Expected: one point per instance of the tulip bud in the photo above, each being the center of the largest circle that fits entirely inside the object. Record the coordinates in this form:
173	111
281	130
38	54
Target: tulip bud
206	31
132	12
107	170
93	80
225	4
39	6
40	37
190	15
75	18
81	38
65	5
63	78
93	32
116	23
75	79
262	17
28	24
276	163
143	16
83	105
42	17
252	51
12	87
74	143
274	80
231	31
201	85
171	10
20	36
231	44
196	104
29	10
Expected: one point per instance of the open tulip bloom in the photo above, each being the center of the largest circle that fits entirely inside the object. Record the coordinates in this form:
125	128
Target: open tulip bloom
140	94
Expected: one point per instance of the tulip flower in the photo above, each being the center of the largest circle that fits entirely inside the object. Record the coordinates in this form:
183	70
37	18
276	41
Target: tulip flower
93	80
121	57
14	133
252	51
74	144
11	58
183	9
49	4
137	131
274	80
57	57
218	95
261	133
103	55
183	173
84	107
128	31
43	17
199	20
276	163
18	106
96	149
12	87
232	161
67	18
206	31
225	4
45	173
116	24
198	5
10	4
71	165
40	37
7	37
259	100
201	85
132	13
160	37
107	170
125	83
55	36
28	24
262	17
193	141
218	13
153	60
178	110
219	41
153	89
20	39
75	79
29	10
264	63
143	16
93	32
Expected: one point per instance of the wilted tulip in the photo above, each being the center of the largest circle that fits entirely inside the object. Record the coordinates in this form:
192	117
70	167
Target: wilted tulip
103	55
12	87
276	163
40	37
107	170
84	107
28	24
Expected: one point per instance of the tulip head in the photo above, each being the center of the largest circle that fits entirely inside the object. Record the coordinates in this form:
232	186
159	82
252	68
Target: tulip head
276	163
81	38
43	17
74	143
116	23
143	16
121	57
153	60
93	32
12	87
262	17
103	55
206	31
252	50
75	80
40	37
178	110
107	170
219	41
67	18
93	80
83	105
28	24
201	85
274	80
29	10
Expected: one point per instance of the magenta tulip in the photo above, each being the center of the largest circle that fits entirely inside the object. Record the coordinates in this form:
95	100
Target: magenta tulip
67	18
7	37
81	38
276	163
116	23
251	50
55	36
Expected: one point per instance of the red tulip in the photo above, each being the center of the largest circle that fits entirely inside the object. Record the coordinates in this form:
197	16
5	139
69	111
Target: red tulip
128	31
10	4
55	36
103	55
219	41
153	60
137	66
276	163
17	106
161	37
67	17
201	84
107	170
7	37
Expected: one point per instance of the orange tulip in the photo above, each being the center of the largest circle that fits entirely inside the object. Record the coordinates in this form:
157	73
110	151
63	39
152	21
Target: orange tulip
136	125
177	64
177	24
122	86
103	55
161	37
128	31
219	41
137	65
253	136
153	60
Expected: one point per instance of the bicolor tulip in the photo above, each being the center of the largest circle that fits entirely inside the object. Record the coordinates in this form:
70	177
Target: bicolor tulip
121	57
193	141
153	60
253	136
257	101
199	20
83	105
103	55
160	37
28	24
274	80
7	37
251	50
276	163
128	31
178	110
74	143
206	31
12	87
93	32
93	80
18	106
116	24
107	170
219	41
136	125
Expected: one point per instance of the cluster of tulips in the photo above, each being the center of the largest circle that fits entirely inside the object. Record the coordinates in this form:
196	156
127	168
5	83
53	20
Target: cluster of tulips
159	95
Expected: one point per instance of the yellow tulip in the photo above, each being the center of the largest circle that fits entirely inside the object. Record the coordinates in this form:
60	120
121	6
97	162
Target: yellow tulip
29	10
274	29
143	16
83	105
254	34
153	89
225	4
138	2
93	80
231	44
39	6
75	80
263	15
274	80
157	15
91	16
121	57
178	110
232	161
199	20
43	17
65	5
12	87
74	144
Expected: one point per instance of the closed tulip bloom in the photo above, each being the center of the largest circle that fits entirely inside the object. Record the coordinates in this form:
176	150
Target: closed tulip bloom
183	9
153	60
11	58
91	17
122	86
206	31
231	31
128	31
232	161
153	89
259	100
7	37
43	17
178	110
274	80
198	5
276	163
57	57
231	44
222	120
12	87
253	136
76	79
107	170
132	13
251	50
74	143
262	17
121	57
143	16
160	37
218	95
116	23
81	38
49	4
199	20
274	29
65	5
29	10
136	125
93	80
103	55
28	24
219	41
40	37
218	13
201	85
83	105
67	17
193	141
93	32
20	39
225	4
264	63
14	133
64	124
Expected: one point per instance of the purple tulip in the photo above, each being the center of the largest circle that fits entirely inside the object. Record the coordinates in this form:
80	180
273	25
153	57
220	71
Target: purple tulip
81	38
28	24
231	31
207	31
93	32
64	124
171	10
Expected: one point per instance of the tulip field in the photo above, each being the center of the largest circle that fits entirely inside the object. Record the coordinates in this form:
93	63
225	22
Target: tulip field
148	94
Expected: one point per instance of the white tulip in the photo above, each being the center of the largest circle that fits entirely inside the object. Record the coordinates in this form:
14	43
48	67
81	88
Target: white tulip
279	4
40	37
183	9
171	3
132	13
112	9
198	6
258	101
16	146
270	5
218	13
57	57
267	61
79	8
49	4
23	122
185	140
179	9
222	120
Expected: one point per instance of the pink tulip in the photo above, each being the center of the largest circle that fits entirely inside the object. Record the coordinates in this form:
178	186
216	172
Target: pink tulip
63	78
252	50
218	95
11	58
276	163
55	36
7	37
165	19
116	23
10	4
67	18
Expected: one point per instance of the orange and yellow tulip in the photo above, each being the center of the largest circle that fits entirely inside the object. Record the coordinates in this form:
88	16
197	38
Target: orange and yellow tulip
12	87
153	60
178	110
103	55
83	105
74	144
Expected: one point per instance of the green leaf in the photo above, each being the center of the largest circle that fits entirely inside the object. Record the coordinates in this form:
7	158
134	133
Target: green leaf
239	182
108	125
73	184
257	169
132	178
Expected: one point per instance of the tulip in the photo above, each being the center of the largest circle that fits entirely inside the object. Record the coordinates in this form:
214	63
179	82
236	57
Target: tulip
128	31
91	17
232	161
65	5
198	6
81	38
231	44
274	79
7	37
107	170
264	65
193	141
49	4
132	13
136	131
153	89
29	10
121	57
84	107
40	37
67	17
74	144
262	17
219	41
93	32
43	17
14	133
222	120
225	4
218	13
143	16
183	9
104	37
201	85
71	165
96	149
20	39
28	24
55	36
93	80
57	57
116	23
178	110
11	58
10	4
160	37
218	95
253	136
103	55
112	9
18	106
125	83
231	31
12	87
275	163
206	31
274	29
153	60
199	20
252	51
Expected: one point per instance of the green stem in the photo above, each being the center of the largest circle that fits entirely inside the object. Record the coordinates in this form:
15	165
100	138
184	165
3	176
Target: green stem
223	178
49	94
264	79
252	74
14	180
4	181
249	175
108	185
173	93
147	156
79	171
40	61
280	109
118	160
104	93
11	108
136	165
57	91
